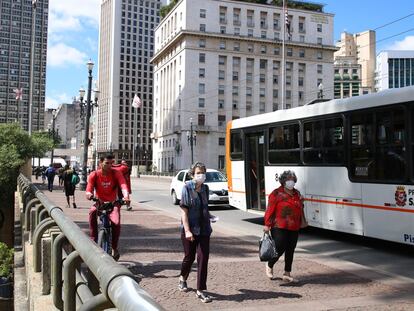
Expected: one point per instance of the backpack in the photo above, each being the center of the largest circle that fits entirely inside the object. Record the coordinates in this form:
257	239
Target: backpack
75	179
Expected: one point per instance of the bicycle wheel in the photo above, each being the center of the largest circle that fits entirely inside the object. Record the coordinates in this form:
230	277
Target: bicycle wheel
104	241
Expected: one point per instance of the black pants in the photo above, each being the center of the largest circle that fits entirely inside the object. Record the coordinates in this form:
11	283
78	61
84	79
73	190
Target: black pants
201	246
285	241
50	183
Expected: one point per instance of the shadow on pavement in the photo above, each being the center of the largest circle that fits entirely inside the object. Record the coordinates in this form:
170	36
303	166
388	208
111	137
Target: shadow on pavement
248	294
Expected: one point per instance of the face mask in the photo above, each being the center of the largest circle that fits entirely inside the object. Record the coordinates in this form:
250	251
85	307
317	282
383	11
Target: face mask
289	184
200	178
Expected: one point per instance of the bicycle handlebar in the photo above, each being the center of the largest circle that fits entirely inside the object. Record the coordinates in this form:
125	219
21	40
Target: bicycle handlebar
120	201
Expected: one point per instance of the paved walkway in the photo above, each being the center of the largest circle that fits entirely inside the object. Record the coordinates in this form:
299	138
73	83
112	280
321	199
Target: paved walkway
150	247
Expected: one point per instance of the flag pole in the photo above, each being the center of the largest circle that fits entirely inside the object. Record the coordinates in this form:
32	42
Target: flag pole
283	54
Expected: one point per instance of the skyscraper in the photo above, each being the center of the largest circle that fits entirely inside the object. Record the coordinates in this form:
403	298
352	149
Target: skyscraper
16	24
126	44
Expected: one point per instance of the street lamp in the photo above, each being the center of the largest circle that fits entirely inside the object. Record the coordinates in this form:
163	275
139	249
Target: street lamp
192	139
320	88
53	135
86	112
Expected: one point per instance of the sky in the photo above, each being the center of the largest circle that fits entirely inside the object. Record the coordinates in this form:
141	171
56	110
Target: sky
74	30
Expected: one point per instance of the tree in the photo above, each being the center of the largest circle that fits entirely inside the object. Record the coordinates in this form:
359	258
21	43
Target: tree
16	147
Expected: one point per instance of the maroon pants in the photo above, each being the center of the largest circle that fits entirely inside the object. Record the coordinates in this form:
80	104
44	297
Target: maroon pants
201	246
114	216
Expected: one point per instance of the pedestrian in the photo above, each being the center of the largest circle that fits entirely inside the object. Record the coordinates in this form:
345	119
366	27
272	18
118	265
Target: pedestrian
69	185
43	173
195	230
284	217
50	174
126	172
60	174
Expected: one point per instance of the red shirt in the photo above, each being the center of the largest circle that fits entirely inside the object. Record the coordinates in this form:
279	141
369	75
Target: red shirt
124	169
284	211
106	186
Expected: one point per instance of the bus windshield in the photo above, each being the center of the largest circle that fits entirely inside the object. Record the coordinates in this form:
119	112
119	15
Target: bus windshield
215	177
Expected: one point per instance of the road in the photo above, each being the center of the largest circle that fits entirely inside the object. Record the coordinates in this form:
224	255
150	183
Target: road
393	261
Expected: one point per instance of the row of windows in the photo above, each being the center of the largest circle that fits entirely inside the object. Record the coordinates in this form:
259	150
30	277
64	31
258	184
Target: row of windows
375	145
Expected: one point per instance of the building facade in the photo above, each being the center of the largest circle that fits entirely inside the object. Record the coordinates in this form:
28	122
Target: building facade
395	69
16	24
347	77
360	47
220	60
126	45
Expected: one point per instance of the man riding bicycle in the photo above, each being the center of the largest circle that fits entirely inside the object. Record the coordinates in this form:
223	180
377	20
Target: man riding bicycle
105	183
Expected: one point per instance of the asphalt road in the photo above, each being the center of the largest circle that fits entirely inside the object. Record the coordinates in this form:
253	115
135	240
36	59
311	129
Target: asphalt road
385	260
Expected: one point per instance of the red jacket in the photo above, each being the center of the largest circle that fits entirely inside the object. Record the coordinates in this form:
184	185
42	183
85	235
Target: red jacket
284	211
126	172
106	186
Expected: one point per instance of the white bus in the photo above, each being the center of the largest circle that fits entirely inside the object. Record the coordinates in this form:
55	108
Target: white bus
353	159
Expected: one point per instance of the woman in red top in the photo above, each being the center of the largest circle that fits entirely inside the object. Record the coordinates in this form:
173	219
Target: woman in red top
283	218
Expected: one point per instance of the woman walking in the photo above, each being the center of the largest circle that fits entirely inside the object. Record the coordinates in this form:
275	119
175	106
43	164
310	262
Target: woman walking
196	230
284	217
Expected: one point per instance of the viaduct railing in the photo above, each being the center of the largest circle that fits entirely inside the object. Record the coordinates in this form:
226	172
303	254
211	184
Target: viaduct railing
83	276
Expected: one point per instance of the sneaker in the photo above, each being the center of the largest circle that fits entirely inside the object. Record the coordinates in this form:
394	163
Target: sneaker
182	286
115	254
269	271
203	297
288	279
74	205
129	207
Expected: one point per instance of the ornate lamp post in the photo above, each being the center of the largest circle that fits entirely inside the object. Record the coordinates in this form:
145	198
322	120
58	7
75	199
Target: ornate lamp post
86	112
192	139
53	134
320	88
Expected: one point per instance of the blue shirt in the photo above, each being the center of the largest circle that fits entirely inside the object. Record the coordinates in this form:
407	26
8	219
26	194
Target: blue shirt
197	205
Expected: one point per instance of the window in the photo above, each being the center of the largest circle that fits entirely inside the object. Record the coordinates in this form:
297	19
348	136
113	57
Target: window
202	72
284	144
222	45
235	90
262	92
288	80
263	49
221	120
275	93
249	91
319	27
319	68
235	75
235	104
221	74
222	29
323	142
201	58
202	43
222	60
236	151
202	13
221	89
180	176
301	38
203	27
302	67
301	53
201	102
201	88
250	48
249	77
221	161
250	32
319	55
300	95
236	46
236	31
201	119
289	52
236	61
262	78
263	64
319	40
263	34
221	103
384	160
276	36
300	81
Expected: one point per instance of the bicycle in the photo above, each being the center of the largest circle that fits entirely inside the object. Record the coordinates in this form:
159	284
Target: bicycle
103	210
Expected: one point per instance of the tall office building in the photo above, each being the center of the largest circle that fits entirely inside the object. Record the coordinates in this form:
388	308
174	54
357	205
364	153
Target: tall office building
16	24
126	44
361	47
220	60
347	77
395	69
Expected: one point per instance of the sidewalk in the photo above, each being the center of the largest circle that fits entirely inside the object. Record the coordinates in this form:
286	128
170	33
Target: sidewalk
150	247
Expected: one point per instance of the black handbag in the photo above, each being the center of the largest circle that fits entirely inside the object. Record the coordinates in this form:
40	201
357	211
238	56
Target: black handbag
267	248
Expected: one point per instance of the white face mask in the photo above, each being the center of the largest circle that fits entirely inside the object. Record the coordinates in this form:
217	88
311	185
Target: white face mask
289	184
200	178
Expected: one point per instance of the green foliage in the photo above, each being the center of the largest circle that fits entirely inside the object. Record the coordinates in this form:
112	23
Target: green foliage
16	146
6	261
165	9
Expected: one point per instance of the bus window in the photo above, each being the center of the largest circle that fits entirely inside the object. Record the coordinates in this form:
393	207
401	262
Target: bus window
362	153
323	142
236	152
284	144
390	149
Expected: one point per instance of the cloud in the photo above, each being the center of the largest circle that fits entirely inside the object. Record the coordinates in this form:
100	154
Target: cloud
406	44
51	102
56	99
62	55
69	15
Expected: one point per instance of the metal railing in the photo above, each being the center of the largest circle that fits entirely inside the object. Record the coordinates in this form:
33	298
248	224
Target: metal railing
105	284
